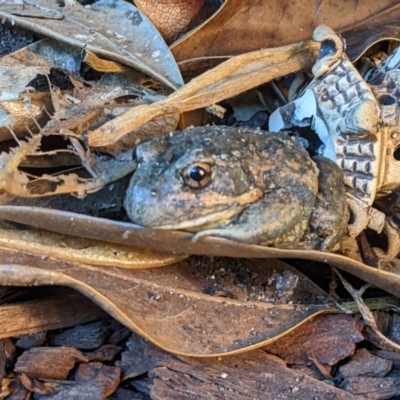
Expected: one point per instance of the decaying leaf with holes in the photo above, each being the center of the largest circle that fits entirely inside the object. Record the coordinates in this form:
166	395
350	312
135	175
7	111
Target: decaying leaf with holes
73	112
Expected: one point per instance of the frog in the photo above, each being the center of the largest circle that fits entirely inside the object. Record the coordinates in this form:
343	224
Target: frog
238	183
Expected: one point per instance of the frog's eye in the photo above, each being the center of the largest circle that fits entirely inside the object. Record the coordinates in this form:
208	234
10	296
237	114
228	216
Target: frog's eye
328	48
197	175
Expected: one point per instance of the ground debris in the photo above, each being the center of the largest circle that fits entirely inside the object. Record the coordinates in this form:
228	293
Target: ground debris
104	353
98	374
363	363
329	339
197	379
58	311
31	340
372	388
137	370
84	337
48	362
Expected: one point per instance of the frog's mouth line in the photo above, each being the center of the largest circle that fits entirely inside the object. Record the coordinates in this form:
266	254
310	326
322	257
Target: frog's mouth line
217	218
211	220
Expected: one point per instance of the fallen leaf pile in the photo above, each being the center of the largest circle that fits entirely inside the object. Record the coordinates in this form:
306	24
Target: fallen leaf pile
87	84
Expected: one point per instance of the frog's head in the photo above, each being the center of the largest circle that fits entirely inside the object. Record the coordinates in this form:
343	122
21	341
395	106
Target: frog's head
331	50
189	180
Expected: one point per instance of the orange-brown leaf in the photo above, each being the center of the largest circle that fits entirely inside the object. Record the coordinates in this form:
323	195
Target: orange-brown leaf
170	17
242	26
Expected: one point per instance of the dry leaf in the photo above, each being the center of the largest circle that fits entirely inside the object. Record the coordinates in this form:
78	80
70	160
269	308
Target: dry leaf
113	29
170	17
181	242
87	251
14	79
102	65
241	26
72	117
170	307
24	115
228	79
381	26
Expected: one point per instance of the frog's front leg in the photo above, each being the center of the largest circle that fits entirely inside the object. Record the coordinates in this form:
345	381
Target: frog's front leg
272	217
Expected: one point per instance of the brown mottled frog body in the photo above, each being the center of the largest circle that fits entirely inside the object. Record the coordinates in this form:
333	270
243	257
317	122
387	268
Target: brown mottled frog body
238	183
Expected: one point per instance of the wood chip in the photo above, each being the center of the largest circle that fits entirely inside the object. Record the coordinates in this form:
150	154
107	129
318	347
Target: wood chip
85	391
328	338
7	351
123	394
373	388
84	337
48	362
389	355
363	363
42	388
135	361
104	353
106	376
17	391
119	335
214	379
49	313
30	340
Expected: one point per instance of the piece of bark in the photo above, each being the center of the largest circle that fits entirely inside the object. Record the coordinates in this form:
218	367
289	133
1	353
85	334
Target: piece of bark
42	388
48	313
372	388
327	338
104	353
16	390
207	378
136	361
84	337
363	363
97	374
7	351
389	355
119	335
255	374
124	394
394	328
83	391
142	385
311	371
48	362
30	340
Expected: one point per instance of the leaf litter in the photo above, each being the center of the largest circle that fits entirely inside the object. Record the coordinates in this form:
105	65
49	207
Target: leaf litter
80	151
